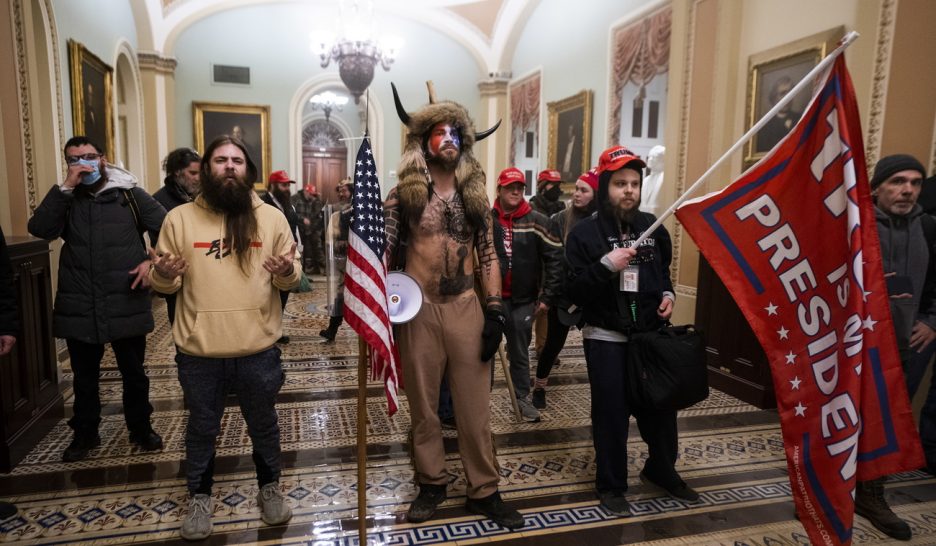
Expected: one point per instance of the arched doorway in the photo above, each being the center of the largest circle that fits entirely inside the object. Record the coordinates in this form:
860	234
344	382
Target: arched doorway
129	134
324	158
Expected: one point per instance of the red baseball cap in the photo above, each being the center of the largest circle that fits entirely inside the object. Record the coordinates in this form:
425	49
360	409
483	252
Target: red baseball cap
617	157
549	175
590	177
511	175
279	177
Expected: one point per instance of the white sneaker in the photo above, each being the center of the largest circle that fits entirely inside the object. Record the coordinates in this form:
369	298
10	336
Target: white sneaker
529	413
273	507
197	523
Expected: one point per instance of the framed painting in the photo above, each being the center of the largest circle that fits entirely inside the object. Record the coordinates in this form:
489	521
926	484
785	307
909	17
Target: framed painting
250	123
570	137
91	92
771	75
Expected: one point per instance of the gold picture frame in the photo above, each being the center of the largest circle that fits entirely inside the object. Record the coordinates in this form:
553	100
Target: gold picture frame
91	97
570	136
250	122
770	74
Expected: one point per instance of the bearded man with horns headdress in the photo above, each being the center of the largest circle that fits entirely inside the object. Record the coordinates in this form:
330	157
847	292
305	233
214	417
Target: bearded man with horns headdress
438	221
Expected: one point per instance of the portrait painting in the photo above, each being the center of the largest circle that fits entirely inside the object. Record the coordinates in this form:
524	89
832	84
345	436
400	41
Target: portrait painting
249	123
771	75
570	137
91	88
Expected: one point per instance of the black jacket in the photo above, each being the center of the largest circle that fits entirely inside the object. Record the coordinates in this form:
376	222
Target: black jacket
545	206
94	302
535	262
9	321
597	290
287	209
560	225
171	195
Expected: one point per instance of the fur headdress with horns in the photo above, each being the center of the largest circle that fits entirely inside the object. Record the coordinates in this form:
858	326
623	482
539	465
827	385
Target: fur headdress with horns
413	187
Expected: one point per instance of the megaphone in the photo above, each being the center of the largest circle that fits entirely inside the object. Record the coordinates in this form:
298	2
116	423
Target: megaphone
404	297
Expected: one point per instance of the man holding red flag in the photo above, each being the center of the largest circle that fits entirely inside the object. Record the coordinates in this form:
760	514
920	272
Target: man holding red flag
818	305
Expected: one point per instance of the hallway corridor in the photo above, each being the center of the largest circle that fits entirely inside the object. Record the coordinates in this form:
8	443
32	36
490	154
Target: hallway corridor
730	451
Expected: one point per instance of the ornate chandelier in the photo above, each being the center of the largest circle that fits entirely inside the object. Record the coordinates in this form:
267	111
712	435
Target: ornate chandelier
327	102
356	50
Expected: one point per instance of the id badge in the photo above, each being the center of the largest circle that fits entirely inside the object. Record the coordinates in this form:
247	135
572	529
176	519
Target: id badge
630	277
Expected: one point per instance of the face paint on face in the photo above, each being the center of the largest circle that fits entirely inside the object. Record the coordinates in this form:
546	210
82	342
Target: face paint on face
443	136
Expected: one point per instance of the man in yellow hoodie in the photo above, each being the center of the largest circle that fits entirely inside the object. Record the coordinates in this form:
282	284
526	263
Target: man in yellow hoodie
226	256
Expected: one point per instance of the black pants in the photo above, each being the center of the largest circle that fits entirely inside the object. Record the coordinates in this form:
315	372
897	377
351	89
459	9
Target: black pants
170	307
556	334
86	364
606	363
206	382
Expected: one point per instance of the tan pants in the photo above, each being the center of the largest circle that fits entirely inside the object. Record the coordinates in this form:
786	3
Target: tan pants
540	329
445	340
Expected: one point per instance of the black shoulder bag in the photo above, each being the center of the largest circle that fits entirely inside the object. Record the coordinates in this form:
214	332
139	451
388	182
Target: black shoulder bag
666	368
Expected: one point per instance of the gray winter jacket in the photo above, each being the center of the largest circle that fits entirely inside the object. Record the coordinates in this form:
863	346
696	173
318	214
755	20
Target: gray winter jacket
94	302
905	252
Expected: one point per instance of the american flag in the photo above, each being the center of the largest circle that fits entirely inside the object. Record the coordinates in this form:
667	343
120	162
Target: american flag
365	296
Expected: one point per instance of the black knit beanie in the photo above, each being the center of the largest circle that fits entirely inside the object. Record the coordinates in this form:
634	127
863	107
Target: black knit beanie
891	164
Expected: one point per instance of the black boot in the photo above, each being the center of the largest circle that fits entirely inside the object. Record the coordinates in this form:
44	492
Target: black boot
424	505
493	507
332	330
870	503
7	510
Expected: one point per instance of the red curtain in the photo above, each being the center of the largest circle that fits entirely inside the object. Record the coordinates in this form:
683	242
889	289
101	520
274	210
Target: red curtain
524	110
641	51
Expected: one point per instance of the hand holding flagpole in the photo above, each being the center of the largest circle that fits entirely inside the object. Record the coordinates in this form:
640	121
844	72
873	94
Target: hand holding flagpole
819	68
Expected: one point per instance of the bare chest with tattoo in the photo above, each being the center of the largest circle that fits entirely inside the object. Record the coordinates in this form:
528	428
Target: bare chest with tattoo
441	247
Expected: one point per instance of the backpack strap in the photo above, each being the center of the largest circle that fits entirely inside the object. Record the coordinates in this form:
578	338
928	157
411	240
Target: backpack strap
138	217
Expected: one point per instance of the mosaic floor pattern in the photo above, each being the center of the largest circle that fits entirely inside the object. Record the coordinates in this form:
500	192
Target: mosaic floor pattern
730	451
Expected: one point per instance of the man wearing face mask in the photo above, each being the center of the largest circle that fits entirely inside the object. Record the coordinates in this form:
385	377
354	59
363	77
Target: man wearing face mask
548	193
179	187
103	292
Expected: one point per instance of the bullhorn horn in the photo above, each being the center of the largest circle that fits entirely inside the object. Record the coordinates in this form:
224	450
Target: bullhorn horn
404	116
484	134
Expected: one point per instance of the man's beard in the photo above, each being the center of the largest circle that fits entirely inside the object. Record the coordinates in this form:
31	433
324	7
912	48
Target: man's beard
444	160
282	197
230	199
625	217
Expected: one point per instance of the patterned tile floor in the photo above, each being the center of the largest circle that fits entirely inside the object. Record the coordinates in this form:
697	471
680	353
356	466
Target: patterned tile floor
731	451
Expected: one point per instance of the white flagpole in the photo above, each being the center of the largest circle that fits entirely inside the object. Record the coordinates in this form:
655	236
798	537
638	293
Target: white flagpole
844	43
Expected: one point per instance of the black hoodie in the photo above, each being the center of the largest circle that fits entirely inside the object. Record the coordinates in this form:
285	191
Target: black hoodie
596	289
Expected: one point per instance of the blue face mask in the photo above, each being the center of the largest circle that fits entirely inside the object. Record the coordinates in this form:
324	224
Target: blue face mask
92	177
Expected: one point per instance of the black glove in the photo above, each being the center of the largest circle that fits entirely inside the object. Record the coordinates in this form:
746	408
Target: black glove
494	321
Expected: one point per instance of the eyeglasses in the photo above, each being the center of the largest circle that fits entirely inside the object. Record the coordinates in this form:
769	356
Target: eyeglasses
72	159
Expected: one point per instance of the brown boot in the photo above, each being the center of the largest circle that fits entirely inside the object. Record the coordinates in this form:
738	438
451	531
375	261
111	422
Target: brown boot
870	503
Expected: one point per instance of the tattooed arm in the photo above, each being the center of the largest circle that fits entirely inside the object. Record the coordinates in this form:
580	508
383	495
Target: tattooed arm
392	229
489	265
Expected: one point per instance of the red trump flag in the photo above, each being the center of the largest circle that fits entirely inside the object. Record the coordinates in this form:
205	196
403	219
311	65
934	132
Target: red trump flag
794	240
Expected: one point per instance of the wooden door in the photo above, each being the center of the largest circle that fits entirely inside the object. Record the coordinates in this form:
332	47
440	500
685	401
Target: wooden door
324	167
736	362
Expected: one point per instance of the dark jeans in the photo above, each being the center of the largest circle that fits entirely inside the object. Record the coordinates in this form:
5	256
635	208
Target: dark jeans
86	365
517	333
606	362
206	382
556	334
914	371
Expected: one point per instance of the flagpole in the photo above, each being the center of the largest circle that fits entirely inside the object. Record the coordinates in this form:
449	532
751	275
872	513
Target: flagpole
830	58
363	352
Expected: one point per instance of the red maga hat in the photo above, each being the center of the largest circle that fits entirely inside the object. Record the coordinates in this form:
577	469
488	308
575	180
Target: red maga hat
511	175
590	177
279	177
617	157
549	175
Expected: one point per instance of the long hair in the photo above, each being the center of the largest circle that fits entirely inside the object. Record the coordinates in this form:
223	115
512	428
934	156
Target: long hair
240	226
